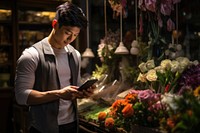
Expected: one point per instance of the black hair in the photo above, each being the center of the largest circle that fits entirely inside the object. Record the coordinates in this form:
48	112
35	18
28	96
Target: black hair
69	14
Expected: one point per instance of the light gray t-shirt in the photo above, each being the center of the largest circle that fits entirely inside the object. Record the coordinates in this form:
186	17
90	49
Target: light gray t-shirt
25	78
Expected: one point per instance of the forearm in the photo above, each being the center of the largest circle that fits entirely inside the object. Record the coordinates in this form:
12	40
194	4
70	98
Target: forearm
37	97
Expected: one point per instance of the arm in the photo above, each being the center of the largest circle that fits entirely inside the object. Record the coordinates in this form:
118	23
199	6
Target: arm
37	97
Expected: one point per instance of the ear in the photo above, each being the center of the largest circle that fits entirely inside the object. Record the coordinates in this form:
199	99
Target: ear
54	22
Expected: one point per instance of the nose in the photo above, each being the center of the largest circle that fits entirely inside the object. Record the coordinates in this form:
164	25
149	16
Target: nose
69	38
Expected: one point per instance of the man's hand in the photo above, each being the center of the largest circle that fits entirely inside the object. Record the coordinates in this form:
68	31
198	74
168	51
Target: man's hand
87	93
72	92
68	93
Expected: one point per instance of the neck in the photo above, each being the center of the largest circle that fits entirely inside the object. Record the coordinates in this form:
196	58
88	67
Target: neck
52	40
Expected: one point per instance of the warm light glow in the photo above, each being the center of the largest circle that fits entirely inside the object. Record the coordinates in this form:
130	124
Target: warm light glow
88	53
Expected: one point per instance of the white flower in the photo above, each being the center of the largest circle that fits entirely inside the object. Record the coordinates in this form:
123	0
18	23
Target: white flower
110	47
166	64
184	63
150	64
100	48
159	69
143	67
169	98
174	66
195	62
151	75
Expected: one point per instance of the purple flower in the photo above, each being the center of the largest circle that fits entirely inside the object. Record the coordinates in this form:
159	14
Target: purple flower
145	94
190	77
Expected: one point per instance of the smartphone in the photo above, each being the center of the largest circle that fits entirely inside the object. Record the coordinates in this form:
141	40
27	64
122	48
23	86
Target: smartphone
87	84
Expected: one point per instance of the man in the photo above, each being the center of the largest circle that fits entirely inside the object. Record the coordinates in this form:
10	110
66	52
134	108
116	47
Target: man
48	73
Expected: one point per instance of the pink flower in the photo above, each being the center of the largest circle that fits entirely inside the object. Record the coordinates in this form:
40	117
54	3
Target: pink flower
166	7
145	94
170	25
123	2
150	5
160	22
135	91
141	25
141	5
176	1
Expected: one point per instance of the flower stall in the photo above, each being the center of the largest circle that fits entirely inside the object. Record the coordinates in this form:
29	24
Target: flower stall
155	88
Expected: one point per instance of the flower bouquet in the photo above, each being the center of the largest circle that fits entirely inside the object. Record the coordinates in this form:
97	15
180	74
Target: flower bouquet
139	107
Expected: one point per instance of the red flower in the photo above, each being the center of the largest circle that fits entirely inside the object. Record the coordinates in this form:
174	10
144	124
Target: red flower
170	123
167	88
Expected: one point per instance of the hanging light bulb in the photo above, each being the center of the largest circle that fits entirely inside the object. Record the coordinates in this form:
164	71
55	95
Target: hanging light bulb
121	49
134	48
88	52
134	45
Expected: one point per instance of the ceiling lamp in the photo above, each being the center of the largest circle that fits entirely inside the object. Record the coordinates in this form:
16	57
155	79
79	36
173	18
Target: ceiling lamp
88	52
121	49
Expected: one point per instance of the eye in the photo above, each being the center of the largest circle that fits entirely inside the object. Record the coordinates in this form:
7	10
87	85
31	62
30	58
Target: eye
76	35
67	32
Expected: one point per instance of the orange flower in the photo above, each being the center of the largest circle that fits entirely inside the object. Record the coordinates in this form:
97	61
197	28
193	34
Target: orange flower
102	116
197	91
128	110
131	98
170	123
118	103
109	122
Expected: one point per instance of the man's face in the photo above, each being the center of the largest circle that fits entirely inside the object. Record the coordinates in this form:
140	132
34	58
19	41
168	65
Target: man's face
65	34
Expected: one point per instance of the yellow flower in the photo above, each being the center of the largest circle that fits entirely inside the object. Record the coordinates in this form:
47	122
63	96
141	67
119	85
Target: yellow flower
151	75
197	91
142	77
